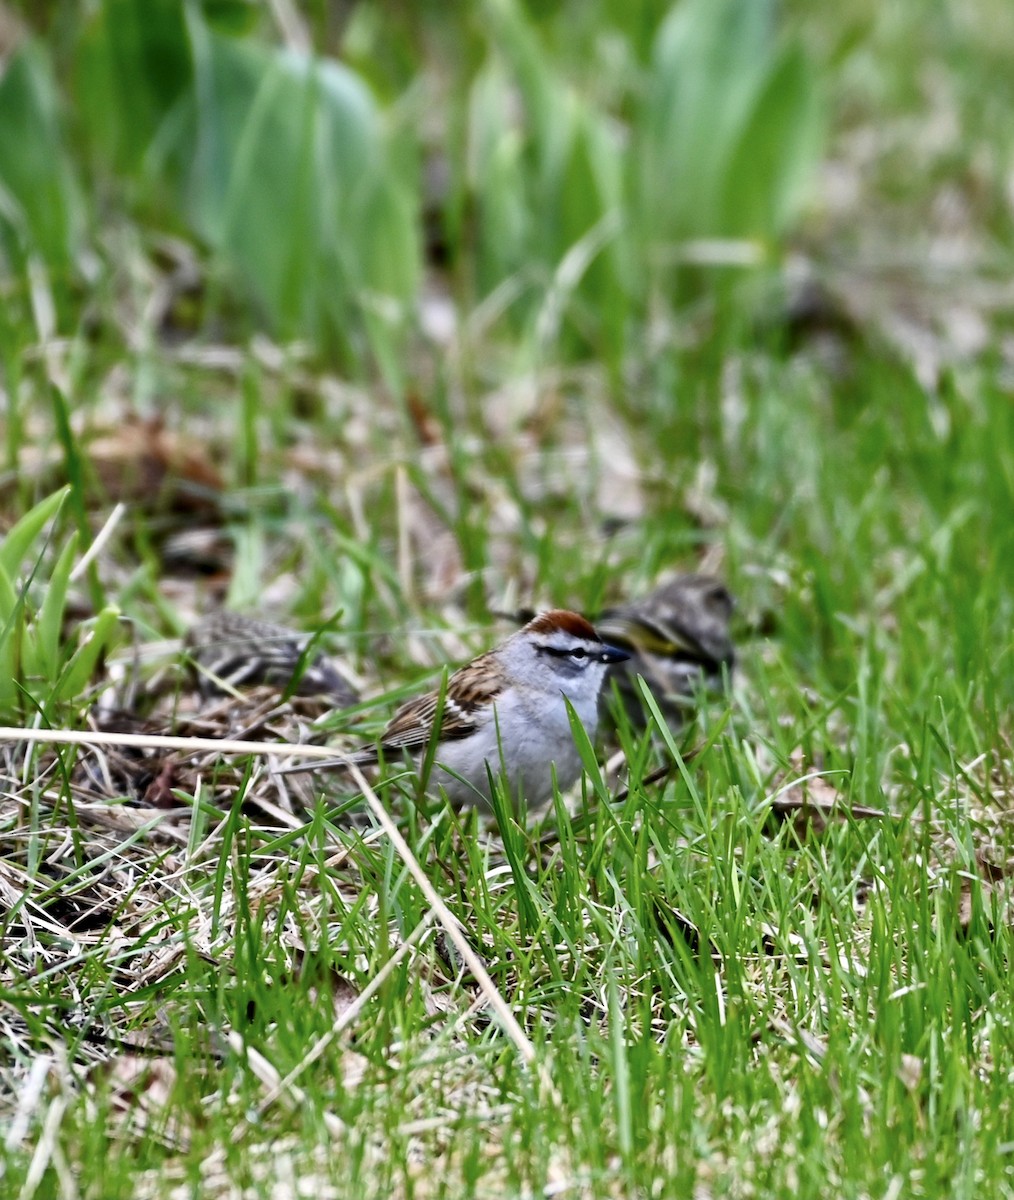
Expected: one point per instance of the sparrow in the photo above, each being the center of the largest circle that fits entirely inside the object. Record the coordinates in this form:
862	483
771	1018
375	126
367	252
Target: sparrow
239	651
505	714
677	637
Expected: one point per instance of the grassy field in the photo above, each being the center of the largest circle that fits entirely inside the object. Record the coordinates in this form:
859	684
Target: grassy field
611	293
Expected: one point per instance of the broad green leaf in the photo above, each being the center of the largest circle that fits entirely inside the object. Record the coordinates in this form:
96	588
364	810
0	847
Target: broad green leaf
10	602
12	624
497	178
20	537
386	253
540	88
776	152
547	169
234	17
291	183
48	625
721	87
706	59
41	204
79	671
134	66
591	211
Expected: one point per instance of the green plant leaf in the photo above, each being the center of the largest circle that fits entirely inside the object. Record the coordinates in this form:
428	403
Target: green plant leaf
9	601
78	673
134	66
291	183
12	622
594	249
589	759
548	176
539	86
722	89
48	625
700	79
20	537
776	152
497	178
41	203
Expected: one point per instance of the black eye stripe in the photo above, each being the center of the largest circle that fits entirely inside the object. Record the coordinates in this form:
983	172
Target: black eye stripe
557	652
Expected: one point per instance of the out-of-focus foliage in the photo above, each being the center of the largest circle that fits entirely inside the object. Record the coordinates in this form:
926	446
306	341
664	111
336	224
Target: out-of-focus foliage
722	136
572	177
37	662
275	161
41	214
729	128
545	169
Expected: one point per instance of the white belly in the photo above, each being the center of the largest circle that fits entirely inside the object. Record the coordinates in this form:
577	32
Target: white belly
533	742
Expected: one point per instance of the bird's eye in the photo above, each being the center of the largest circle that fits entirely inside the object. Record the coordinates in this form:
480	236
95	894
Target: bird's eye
579	652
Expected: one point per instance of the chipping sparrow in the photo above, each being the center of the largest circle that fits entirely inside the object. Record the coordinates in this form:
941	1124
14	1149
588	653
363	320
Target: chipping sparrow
677	638
243	652
505	711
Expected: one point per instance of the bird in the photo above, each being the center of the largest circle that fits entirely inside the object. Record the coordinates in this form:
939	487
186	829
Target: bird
229	649
505	715
677	638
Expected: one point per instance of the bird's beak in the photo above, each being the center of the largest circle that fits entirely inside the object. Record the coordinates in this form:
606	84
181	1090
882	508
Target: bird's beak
612	654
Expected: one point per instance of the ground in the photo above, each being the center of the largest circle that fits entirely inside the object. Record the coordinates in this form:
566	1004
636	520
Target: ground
764	954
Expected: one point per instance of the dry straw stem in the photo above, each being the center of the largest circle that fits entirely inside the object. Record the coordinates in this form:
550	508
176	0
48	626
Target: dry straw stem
268	1074
99	543
278	1087
444	915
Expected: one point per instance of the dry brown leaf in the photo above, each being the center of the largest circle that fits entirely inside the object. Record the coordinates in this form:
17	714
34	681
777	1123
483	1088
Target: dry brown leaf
426	424
980	892
323	977
140	1093
811	803
142	462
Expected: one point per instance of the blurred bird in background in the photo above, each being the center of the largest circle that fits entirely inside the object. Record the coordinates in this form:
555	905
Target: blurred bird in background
679	639
243	652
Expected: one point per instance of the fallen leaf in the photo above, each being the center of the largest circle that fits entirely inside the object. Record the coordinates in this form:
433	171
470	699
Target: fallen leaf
811	802
140	1094
143	462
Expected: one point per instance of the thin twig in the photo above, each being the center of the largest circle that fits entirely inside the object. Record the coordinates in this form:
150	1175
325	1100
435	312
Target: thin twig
348	1015
269	1075
158	741
447	919
228	746
99	542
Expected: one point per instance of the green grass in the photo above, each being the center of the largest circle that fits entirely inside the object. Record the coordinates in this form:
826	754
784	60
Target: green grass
842	1023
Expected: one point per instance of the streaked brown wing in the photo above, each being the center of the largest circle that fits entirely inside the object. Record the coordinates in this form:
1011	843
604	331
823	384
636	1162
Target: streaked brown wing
411	725
470	691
